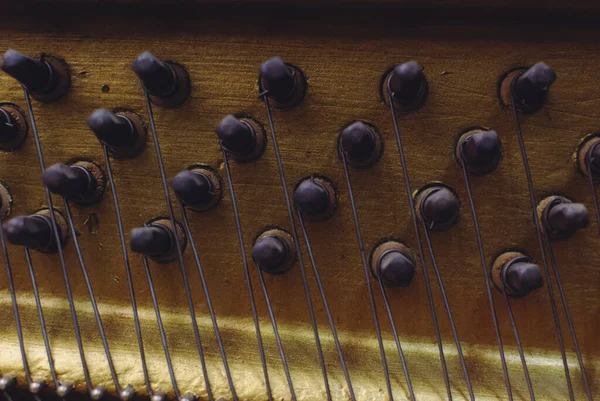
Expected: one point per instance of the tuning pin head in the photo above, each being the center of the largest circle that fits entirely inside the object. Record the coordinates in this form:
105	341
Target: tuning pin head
30	231
361	143
152	241
158	77
523	277
278	78
564	219
33	73
407	85
315	197
112	129
9	128
68	182
439	207
595	157
480	150
396	269
273	251
193	189
530	88
236	136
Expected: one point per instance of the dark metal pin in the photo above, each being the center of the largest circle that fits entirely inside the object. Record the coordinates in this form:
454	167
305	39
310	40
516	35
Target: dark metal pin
69	182
438	206
47	78
195	188
123	133
480	150
531	88
167	83
516	273
156	240
394	263
33	231
285	83
244	138
562	218
362	144
316	198
273	251
13	127
407	85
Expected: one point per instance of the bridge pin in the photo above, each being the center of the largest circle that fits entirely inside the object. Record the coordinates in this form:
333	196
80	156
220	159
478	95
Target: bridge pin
98	393
7	381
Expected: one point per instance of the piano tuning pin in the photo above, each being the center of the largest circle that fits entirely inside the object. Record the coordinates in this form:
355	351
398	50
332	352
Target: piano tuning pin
82	182
7	381
6	200
516	272
64	389
156	240
274	251
528	87
35	231
480	150
37	386
198	187
47	78
128	393
243	137
316	197
362	144
587	156
123	132
284	83
561	218
98	393
159	395
13	127
167	83
438	206
394	263
407	85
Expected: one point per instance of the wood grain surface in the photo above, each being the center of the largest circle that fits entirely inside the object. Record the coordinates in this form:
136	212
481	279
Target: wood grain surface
344	60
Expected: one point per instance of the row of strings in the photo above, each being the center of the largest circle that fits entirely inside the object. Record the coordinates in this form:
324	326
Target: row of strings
420	228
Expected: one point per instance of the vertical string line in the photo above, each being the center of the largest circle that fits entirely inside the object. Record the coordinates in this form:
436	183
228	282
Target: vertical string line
38	304
186	284
485	279
88	283
208	301
161	329
361	248
240	235
436	270
518	340
541	247
569	319
57	236
303	269
136	318
411	204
